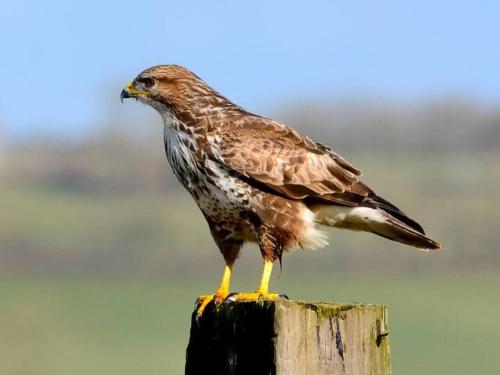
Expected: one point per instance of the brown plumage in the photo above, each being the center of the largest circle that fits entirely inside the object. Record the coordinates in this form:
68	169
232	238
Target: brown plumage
256	179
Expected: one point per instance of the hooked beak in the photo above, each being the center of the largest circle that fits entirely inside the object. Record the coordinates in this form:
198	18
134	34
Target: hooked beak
131	92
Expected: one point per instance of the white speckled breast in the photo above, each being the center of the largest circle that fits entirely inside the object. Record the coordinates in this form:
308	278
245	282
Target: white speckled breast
219	195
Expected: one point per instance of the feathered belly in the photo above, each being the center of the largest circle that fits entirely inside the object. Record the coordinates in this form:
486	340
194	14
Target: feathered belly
224	201
220	194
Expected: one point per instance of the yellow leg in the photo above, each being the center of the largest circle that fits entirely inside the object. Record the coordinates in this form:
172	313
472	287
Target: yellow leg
225	282
221	293
262	291
266	277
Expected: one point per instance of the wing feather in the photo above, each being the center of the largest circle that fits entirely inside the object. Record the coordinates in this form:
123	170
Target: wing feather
287	162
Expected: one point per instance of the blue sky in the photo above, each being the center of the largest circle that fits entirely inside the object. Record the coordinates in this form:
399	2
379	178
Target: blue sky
63	62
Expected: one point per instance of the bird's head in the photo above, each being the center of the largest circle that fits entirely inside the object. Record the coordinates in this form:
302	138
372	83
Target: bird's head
172	88
162	84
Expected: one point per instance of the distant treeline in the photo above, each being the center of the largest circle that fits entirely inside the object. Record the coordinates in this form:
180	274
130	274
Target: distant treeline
123	155
439	126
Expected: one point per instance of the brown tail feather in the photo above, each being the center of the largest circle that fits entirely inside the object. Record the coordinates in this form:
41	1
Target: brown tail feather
398	226
378	216
398	231
376	201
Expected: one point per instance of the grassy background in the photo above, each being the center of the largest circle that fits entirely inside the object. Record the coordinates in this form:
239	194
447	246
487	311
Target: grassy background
135	325
103	281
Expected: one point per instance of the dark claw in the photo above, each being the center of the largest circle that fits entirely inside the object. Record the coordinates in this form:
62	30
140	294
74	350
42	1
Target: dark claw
197	319
284	296
229	297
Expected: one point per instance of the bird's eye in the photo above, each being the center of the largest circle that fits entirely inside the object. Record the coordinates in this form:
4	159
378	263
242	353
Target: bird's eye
146	82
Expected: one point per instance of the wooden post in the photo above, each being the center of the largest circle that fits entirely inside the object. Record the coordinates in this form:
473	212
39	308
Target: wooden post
289	338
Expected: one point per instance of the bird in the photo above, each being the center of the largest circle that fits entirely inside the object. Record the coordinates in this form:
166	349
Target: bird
258	180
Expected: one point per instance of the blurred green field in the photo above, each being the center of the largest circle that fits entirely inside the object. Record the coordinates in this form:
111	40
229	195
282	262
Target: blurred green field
52	229
140	326
98	281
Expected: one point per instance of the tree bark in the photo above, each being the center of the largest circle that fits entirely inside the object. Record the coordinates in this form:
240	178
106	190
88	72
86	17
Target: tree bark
289	338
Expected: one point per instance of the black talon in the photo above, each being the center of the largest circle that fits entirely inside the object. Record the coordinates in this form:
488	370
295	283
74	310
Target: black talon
197	319
197	304
284	296
229	296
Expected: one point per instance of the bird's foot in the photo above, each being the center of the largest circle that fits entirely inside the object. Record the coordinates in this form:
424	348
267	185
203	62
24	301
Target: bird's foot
255	296
203	301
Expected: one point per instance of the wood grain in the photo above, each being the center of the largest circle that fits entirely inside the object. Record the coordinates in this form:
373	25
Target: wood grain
290	338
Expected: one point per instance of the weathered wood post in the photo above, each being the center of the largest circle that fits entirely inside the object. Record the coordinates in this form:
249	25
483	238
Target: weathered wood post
289	338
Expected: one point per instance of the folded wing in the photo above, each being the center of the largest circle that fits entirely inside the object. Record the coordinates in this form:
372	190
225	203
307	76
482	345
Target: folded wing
289	163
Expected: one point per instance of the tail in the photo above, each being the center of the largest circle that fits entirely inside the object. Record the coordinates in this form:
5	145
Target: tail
378	216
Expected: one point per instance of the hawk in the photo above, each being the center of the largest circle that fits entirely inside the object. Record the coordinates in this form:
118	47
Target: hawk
258	180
